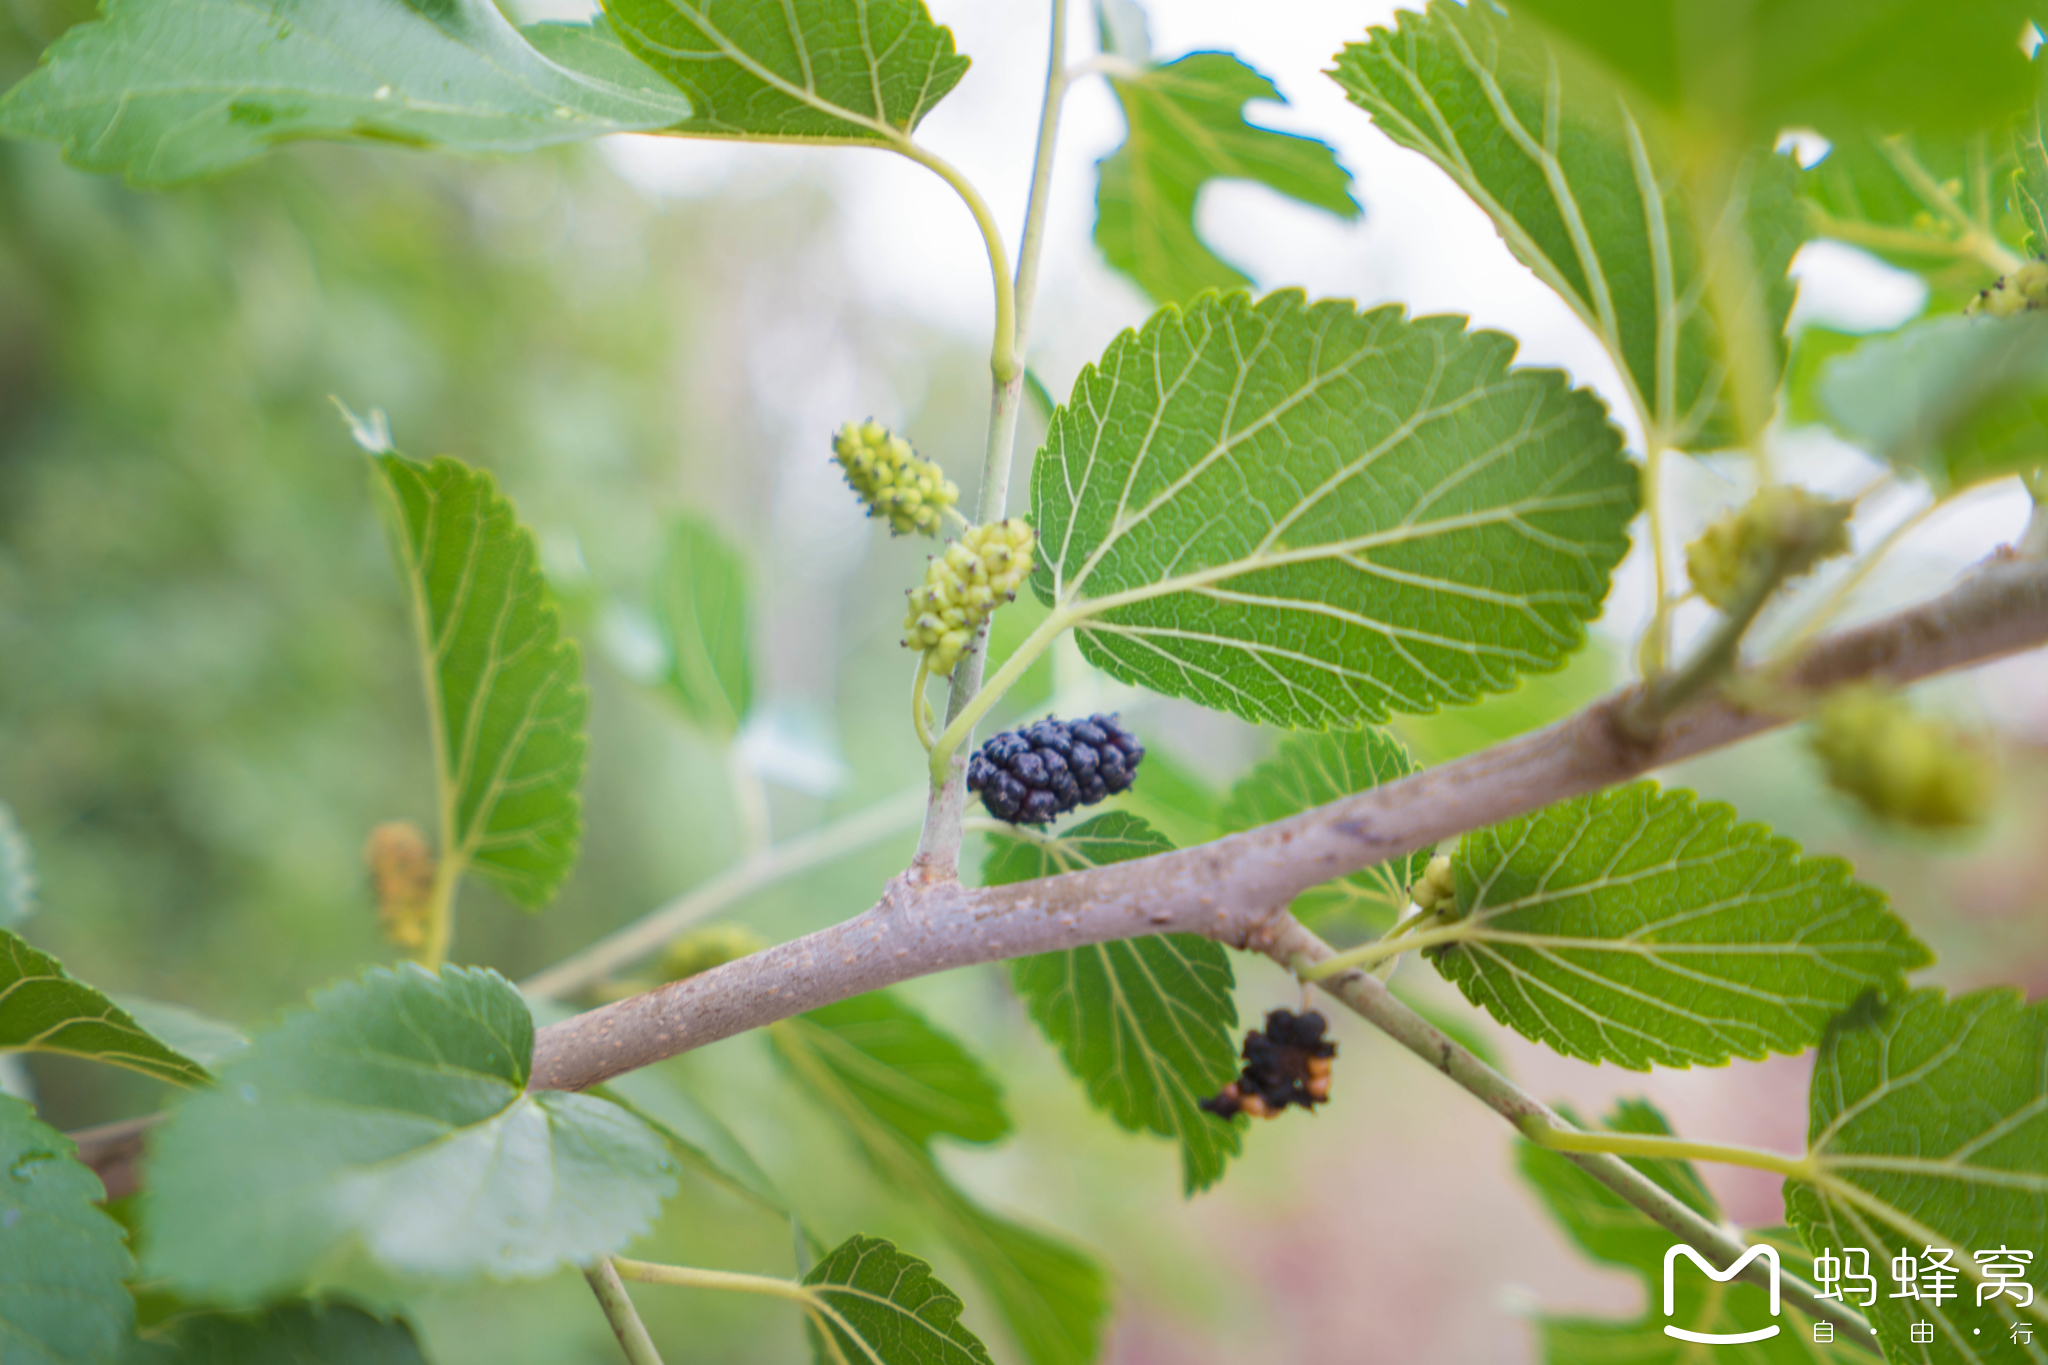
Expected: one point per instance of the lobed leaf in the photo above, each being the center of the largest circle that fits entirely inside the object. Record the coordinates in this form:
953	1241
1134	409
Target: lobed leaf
62	1259
802	71
1646	928
887	1307
1588	195
1611	1230
703	610
1185	126
1957	400
288	1334
1312	516
390	1125
1312	770
1929	1127
17	872
1052	1298
1145	1023
166	91
43	1008
503	686
1835	65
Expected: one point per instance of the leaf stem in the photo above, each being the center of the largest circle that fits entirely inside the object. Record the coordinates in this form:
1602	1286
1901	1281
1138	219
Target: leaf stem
1840	593
1546	1134
919	707
1654	653
628	945
619	1310
441	911
690	1277
1033	241
1004	360
1393	945
960	725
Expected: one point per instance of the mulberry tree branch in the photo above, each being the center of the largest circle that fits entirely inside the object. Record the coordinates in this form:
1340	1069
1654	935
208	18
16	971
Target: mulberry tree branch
1236	889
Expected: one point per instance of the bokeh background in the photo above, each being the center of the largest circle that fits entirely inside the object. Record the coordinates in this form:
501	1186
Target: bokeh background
208	697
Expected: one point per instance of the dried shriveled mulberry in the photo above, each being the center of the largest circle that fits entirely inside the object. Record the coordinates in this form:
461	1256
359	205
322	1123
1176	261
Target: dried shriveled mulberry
889	477
963	587
1028	776
1287	1062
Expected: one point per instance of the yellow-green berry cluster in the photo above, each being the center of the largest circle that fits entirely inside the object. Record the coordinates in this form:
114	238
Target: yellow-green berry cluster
882	468
963	587
1899	765
2023	291
1780	533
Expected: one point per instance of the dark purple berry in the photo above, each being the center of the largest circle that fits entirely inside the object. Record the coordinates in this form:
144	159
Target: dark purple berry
1030	775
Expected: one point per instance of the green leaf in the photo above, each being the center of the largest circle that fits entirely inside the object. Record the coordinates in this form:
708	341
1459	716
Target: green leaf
1957	400
1186	127
1309	771
291	1334
917	1080
17	873
1053	1298
1929	1126
703	609
1178	802
1313	516
1935	206
206	1041
1586	194
390	1125
1611	1230
503	687
62	1261
1145	1022
45	1009
1646	928
1812	349
696	1135
165	91
804	71
888	1307
1834	65
2030	177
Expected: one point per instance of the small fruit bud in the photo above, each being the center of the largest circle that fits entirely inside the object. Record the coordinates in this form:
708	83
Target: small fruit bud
2023	291
1902	766
713	945
1437	887
402	873
1780	533
912	493
963	587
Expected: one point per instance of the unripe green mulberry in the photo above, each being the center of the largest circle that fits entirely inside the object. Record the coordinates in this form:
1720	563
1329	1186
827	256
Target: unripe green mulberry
2023	291
1437	887
882	468
963	587
1780	533
712	945
1899	765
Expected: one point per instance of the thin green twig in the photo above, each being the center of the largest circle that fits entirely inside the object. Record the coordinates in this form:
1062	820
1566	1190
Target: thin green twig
624	1318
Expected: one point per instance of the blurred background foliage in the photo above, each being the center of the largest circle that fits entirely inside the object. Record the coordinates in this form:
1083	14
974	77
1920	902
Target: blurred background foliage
208	697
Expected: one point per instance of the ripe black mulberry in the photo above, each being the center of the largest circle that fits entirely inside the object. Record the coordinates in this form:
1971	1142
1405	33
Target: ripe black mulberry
1288	1062
1028	776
